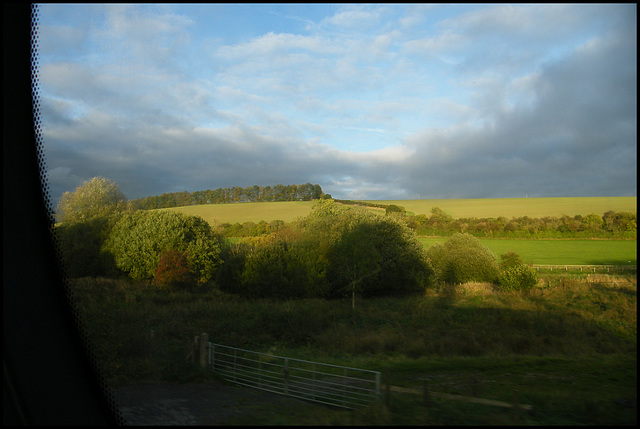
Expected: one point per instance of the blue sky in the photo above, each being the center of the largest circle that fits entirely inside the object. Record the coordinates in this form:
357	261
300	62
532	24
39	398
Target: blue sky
378	101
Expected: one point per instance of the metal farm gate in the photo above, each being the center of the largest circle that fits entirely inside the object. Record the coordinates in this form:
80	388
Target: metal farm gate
335	385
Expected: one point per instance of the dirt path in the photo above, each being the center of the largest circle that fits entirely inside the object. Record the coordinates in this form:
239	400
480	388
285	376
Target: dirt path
164	404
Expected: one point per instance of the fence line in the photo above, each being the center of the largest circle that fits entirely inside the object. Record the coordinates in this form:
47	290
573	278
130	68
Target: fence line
335	385
592	268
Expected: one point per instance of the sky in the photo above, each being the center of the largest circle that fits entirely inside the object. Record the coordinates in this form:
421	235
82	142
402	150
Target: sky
370	101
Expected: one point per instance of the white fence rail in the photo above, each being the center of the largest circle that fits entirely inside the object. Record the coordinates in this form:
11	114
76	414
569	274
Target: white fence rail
335	385
592	268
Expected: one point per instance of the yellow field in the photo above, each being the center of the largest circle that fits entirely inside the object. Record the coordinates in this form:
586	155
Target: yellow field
248	212
490	207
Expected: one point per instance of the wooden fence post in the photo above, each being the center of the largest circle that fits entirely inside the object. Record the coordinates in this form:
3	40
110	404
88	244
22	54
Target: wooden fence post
516	406
388	393
426	397
203	346
286	376
195	348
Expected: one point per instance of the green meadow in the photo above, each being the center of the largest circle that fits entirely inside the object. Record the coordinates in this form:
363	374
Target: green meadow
560	252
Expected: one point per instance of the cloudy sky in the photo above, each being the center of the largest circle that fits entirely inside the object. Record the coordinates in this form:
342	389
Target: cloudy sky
368	101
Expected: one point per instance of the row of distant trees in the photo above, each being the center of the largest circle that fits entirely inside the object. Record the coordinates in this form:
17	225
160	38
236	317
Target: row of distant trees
236	194
620	225
609	225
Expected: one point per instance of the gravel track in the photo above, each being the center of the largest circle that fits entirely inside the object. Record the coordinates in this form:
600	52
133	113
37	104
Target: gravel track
166	404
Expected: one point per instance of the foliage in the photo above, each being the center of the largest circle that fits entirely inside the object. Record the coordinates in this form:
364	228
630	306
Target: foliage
173	270
236	194
518	277
609	225
138	239
462	259
80	246
98	197
509	260
334	251
395	209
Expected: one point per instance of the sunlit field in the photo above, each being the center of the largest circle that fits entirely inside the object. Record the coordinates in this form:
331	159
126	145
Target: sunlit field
286	211
560	252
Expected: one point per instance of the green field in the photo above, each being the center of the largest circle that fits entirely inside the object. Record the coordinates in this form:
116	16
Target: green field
516	207
561	252
490	207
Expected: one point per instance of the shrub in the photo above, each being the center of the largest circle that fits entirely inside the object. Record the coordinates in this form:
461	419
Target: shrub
462	259
518	277
509	260
173	270
395	209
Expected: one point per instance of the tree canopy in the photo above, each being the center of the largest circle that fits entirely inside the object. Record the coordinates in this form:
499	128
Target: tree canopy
94	198
334	251
138	240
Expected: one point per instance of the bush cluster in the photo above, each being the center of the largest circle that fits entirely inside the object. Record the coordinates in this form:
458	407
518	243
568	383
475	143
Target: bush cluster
610	225
138	240
518	278
335	251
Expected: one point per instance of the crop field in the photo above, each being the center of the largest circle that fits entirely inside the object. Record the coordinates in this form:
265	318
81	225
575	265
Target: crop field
516	207
286	211
489	207
560	252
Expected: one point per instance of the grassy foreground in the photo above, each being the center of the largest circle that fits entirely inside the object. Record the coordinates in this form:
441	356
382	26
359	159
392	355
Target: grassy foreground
568	347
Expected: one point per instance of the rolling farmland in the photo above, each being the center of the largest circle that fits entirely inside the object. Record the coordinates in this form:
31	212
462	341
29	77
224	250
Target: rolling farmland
490	207
539	251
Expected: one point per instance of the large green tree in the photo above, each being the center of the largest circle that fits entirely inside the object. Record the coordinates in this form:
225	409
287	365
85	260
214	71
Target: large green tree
377	255
94	198
138	240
